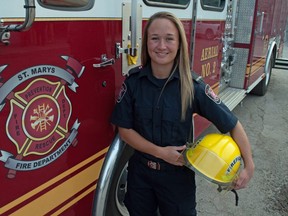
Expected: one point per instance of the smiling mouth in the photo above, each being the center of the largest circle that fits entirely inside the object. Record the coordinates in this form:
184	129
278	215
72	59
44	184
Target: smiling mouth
161	53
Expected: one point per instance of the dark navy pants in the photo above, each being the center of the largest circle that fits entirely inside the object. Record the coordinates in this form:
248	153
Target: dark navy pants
173	190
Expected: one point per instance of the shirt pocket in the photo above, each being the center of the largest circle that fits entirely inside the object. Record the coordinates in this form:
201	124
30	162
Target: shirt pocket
170	126
143	121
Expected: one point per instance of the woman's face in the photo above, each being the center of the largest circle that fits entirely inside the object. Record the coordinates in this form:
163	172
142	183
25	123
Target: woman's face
162	42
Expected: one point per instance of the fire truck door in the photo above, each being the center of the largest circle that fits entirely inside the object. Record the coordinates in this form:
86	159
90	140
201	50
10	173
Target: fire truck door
260	39
259	35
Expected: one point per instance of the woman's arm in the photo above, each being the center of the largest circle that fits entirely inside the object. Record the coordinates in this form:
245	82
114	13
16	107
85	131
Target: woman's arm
240	137
170	154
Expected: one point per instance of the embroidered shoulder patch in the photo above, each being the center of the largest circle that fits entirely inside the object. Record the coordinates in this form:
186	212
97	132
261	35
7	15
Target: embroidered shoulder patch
210	93
122	92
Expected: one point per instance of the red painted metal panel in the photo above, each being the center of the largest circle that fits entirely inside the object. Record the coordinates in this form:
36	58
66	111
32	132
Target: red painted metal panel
29	56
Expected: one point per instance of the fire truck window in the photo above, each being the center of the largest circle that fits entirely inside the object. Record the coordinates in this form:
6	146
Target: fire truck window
67	4
168	3
214	5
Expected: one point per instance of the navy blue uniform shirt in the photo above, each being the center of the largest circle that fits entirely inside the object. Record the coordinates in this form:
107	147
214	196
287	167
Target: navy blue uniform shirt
158	117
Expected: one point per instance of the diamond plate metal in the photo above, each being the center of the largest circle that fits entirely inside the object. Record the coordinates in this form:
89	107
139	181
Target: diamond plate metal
244	22
239	68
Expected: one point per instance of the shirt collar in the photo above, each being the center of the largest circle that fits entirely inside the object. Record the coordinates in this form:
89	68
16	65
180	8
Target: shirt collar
147	72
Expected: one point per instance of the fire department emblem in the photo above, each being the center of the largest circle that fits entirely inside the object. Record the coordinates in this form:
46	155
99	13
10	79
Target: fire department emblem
38	122
39	117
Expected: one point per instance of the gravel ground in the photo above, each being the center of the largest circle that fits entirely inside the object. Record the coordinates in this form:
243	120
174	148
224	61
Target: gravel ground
265	120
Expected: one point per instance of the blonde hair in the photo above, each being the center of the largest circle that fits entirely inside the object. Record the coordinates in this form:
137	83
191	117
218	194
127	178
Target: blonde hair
182	59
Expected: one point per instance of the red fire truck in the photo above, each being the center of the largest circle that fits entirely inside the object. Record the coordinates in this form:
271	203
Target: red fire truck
62	63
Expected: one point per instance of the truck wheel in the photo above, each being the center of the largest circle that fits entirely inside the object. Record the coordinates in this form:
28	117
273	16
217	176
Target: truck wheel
262	87
115	203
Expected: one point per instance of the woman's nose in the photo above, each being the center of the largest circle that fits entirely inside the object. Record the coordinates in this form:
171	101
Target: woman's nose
162	44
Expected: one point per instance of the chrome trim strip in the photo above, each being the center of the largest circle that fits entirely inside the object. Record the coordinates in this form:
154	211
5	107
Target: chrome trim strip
269	54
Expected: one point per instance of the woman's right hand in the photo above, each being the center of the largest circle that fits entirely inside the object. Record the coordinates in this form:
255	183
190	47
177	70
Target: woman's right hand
172	155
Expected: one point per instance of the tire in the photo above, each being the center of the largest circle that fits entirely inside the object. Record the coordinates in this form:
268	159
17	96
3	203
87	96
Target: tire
261	88
116	194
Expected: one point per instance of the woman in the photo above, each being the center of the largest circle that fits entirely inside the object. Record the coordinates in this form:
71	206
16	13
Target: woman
154	115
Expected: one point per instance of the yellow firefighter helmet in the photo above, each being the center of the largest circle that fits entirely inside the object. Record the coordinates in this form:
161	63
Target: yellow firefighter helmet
216	157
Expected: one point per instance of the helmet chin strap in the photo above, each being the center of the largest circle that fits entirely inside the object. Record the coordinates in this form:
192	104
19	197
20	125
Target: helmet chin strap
236	196
233	190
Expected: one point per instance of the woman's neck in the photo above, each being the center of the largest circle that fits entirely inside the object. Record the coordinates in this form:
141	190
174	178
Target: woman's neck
161	71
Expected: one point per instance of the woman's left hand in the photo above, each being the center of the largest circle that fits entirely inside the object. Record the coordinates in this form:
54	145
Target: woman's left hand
243	178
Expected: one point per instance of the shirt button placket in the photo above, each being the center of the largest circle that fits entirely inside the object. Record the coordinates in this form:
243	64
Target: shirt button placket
157	124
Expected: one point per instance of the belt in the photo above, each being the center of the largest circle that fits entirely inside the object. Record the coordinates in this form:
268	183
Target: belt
155	165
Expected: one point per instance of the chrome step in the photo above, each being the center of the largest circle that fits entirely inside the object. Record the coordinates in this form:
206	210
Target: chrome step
231	97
